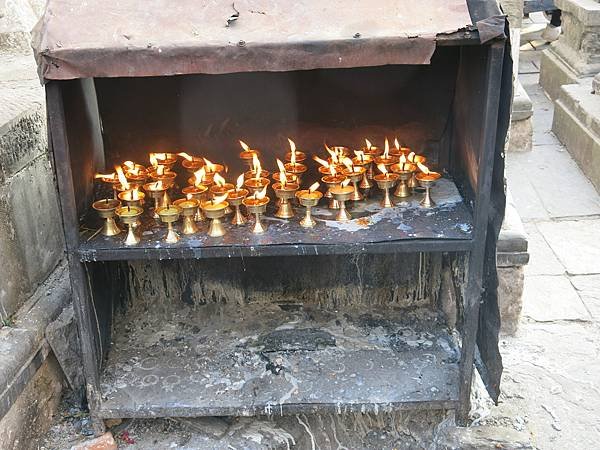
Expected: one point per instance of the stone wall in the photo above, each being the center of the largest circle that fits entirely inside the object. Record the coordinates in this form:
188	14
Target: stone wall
34	282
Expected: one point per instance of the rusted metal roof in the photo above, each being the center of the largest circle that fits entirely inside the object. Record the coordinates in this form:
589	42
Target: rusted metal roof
104	38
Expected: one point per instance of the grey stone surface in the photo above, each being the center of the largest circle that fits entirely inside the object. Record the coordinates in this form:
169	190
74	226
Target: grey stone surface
575	243
17	18
588	287
32	413
30	232
551	298
20	341
542	259
64	341
521	135
577	125
510	297
485	437
576	54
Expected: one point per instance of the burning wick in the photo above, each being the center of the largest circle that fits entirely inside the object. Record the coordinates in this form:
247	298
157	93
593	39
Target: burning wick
186	156
293	152
360	154
386	150
383	170
122	178
396	144
210	167
368	143
239	183
321	161
282	175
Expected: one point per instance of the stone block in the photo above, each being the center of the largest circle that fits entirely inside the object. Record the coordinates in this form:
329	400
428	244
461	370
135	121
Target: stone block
577	125
549	298
31	236
521	136
17	18
576	54
510	297
31	415
554	73
64	341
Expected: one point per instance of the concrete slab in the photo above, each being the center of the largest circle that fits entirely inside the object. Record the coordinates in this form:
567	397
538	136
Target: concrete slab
588	287
549	298
575	243
542	260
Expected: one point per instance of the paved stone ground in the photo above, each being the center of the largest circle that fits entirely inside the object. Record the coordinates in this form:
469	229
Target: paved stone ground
551	383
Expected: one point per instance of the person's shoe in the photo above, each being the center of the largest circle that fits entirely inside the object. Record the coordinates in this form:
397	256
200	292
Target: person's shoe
551	33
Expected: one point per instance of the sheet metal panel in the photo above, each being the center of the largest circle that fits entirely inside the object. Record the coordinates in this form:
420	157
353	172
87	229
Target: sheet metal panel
103	38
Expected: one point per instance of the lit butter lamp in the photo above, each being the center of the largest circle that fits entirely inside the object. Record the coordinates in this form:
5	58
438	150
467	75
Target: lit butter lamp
212	168
257	181
221	187
109	179
257	204
294	155
191	163
427	179
385	180
309	198
414	159
235	199
386	159
189	208
405	171
295	166
354	175
106	210
197	192
399	150
132	197
366	162
136	174
170	214
163	159
256	170
331	180
130	215
158	191
370	150
123	184
247	154
342	193
200	177
285	191
214	209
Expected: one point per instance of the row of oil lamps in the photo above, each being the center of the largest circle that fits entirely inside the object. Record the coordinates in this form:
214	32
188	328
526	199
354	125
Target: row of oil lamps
209	196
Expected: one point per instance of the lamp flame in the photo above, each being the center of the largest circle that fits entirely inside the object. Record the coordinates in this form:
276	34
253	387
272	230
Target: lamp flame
386	150
334	155
122	179
220	198
321	161
210	167
256	167
293	151
160	170
219	180
423	168
396	144
332	170
348	163
369	145
382	168
411	156
313	187
130	165
402	159
199	175
240	182
135	194
153	160
186	156
189	196
158	186
346	182
106	175
360	154
260	194
282	174
244	146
